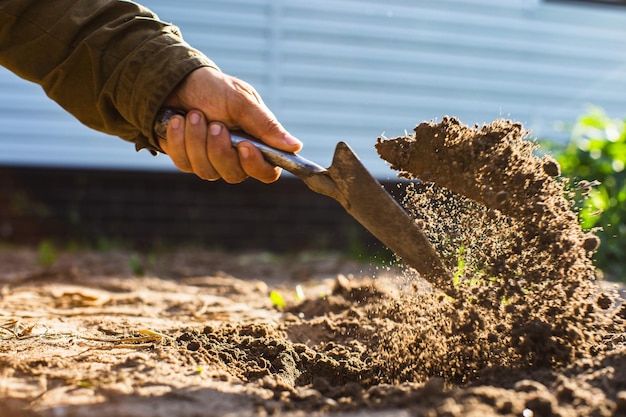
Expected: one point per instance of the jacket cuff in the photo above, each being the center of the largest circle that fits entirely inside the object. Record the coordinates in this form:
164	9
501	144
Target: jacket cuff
152	72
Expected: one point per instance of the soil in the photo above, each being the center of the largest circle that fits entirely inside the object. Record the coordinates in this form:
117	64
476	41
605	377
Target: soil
529	329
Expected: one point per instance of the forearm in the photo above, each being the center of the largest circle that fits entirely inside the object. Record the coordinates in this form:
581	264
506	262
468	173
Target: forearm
110	63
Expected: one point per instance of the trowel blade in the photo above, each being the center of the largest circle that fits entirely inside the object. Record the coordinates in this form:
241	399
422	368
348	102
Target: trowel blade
372	206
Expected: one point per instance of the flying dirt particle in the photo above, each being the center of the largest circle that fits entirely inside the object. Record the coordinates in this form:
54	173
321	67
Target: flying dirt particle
621	402
585	186
591	243
551	167
502	196
604	301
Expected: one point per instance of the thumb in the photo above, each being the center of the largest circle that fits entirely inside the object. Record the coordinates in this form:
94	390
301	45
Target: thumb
261	123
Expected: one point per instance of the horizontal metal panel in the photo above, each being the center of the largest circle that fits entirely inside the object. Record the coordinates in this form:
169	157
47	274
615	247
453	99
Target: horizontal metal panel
355	69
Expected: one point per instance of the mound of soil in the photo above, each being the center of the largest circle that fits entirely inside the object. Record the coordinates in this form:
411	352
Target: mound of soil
527	331
524	215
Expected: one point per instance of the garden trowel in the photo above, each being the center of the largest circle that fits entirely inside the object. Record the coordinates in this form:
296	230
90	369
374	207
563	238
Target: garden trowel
364	198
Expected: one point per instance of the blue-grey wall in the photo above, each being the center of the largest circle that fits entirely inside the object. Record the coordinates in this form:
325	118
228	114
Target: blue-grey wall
355	69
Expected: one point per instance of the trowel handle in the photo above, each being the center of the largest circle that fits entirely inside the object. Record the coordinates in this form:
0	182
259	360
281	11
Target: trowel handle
291	162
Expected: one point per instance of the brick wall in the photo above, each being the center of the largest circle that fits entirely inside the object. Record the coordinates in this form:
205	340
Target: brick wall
170	208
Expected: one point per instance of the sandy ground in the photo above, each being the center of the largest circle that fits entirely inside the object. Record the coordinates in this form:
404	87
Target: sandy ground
525	328
86	337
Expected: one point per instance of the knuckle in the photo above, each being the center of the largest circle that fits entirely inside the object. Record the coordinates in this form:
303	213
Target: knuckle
263	172
183	166
235	178
195	139
207	175
269	178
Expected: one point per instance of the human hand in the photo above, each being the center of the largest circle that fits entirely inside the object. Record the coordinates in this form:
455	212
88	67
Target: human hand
227	103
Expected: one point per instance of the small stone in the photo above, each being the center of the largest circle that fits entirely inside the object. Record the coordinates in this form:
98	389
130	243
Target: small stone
193	346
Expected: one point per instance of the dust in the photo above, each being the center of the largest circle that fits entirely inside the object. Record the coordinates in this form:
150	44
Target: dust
502	220
530	234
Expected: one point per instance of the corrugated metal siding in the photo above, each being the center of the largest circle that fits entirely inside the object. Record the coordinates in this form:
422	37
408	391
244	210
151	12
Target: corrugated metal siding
352	70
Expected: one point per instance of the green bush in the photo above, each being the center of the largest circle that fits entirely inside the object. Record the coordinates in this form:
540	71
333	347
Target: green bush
596	153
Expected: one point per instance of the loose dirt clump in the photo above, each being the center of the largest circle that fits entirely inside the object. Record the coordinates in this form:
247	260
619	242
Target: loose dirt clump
538	238
500	217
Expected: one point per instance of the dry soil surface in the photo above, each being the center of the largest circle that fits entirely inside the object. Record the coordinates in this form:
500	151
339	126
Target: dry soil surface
527	331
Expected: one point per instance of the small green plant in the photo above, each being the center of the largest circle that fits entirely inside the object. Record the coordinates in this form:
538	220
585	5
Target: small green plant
136	265
277	299
84	384
595	160
467	273
46	254
460	268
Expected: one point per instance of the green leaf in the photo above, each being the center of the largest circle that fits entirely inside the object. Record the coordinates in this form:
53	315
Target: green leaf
277	299
597	151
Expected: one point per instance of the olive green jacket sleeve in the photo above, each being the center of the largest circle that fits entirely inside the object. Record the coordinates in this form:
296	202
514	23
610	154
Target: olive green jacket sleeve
110	63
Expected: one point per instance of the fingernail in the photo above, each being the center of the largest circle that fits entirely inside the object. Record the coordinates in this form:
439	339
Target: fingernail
215	129
175	122
292	140
244	152
194	118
